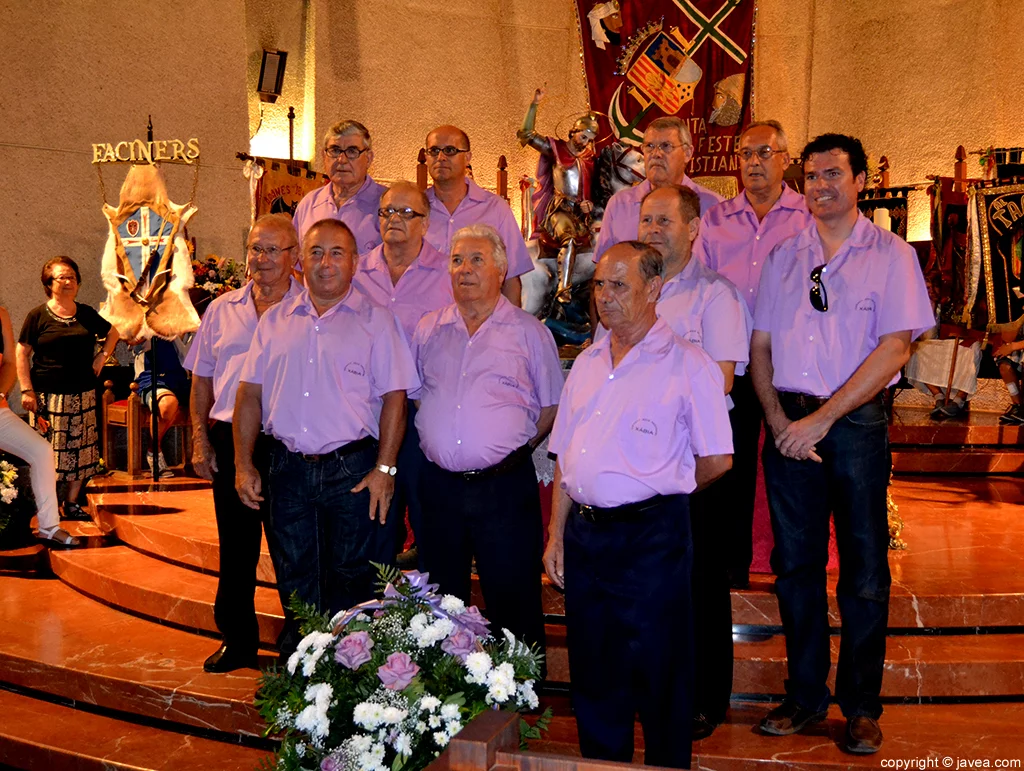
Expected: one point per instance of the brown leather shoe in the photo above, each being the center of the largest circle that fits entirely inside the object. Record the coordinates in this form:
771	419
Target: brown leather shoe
863	736
789	718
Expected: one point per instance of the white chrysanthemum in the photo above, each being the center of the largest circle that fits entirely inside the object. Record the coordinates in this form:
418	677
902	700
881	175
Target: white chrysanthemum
450	712
441	738
478	664
501	683
393	715
453	727
526	696
434	721
403	744
421	727
311	721
452	604
429	703
360	743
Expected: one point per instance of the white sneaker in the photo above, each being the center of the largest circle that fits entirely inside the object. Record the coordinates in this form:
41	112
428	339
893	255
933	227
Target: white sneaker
165	472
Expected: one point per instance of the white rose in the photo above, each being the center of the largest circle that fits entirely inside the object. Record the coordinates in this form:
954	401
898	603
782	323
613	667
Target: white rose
452	604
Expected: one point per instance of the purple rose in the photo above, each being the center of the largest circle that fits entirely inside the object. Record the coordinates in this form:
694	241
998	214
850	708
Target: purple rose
398	672
460	644
474	621
353	650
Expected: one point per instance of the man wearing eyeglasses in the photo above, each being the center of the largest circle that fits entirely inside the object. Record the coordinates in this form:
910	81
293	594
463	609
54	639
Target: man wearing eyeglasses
491	381
410	277
736	238
215	360
351	195
456	201
667	148
326	377
837	308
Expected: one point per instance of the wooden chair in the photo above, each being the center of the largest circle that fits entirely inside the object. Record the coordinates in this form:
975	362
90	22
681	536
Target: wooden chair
132	416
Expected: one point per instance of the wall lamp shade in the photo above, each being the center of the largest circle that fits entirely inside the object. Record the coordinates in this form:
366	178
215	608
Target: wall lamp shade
271	75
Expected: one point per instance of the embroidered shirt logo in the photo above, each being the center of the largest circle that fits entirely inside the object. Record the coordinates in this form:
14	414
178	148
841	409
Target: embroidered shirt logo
645	426
508	382
867	304
694	336
355	368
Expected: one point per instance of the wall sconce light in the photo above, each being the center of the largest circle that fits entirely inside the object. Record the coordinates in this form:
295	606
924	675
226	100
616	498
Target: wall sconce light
271	75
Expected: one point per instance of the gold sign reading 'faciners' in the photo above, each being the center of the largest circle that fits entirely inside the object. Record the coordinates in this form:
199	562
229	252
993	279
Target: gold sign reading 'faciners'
139	151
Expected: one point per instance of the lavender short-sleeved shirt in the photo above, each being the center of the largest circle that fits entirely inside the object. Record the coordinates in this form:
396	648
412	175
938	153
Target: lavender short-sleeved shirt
223	340
735	245
481	397
874	286
324	377
484	207
626	434
359	212
621	221
425	286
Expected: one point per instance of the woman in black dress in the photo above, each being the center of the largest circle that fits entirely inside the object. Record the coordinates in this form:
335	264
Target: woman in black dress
58	364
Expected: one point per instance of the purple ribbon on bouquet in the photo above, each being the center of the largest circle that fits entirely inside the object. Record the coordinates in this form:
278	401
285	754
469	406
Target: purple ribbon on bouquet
424	591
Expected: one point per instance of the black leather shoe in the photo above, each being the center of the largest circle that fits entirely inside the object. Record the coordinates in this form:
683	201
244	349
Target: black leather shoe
863	736
703	726
789	718
75	513
227	659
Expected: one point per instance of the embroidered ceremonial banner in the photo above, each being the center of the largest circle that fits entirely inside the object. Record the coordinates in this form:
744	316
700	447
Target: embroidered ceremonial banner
280	188
997	232
645	59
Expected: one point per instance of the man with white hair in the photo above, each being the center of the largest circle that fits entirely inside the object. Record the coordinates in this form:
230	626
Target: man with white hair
351	194
667	148
491	379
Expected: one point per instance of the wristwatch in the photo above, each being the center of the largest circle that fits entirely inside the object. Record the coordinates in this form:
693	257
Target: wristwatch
386	469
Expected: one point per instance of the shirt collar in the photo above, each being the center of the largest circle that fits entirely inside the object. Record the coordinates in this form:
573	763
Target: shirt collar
863	234
504	313
790	199
368	185
658	339
428	258
302	304
243	296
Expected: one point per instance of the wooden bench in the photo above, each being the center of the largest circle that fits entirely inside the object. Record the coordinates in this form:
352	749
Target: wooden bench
132	416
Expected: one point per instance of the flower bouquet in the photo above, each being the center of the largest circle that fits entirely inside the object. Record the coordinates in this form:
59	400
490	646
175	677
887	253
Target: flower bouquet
218	275
387	684
8	492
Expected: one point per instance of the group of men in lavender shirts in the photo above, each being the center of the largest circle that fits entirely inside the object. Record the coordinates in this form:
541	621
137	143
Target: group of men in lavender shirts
404	376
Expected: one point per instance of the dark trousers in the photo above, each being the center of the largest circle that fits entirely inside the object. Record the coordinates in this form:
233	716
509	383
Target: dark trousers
407	481
850	483
497	519
738	487
712	601
325	535
630	634
239	532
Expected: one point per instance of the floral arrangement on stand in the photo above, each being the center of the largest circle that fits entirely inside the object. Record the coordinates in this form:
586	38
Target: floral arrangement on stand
217	275
387	684
8	492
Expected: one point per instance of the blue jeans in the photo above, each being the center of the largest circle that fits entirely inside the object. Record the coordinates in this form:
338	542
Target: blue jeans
324	534
850	483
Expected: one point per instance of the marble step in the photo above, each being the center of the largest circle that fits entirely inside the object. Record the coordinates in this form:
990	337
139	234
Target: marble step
52	639
124	578
37	734
180	529
24	559
914	426
909	459
916	667
911	731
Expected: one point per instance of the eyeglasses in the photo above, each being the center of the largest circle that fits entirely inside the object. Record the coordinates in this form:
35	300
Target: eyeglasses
664	147
270	251
764	153
405	213
818	295
335	151
448	150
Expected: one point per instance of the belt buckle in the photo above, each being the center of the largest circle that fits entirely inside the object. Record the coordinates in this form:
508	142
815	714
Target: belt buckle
311	458
587	512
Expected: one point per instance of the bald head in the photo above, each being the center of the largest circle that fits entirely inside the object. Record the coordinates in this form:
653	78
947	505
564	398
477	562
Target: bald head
627	284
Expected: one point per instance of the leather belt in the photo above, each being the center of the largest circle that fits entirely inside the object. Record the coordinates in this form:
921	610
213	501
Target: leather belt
507	463
809	403
365	443
597	515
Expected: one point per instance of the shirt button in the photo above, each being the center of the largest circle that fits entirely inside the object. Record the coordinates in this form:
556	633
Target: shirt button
463	374
306	394
579	489
811	337
598	412
583	451
611	377
470	343
755	263
310	361
317	327
393	299
757	238
458	441
458	406
751	291
303	429
805	374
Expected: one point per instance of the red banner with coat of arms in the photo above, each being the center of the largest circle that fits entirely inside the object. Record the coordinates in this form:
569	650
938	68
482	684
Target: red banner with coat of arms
646	59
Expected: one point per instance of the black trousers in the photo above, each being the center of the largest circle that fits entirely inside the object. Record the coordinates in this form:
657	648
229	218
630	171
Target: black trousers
739	485
239	531
630	633
496	519
712	601
407	485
